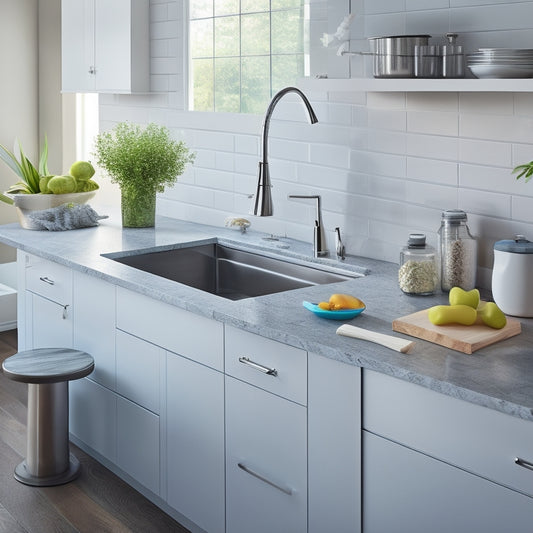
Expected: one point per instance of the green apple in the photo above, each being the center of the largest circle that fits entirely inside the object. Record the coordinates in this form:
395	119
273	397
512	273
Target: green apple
459	296
492	315
82	170
43	184
62	184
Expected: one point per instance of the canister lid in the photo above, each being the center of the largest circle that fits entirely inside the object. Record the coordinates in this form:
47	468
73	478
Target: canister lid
416	240
454	215
519	245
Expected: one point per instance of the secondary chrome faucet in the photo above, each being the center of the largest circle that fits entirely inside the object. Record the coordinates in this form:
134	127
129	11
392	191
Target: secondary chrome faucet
263	196
318	236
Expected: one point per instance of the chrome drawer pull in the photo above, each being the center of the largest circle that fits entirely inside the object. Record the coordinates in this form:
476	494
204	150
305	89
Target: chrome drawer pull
47	280
524	463
257	366
285	490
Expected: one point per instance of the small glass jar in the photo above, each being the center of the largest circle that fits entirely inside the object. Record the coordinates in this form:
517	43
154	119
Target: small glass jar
419	270
458	250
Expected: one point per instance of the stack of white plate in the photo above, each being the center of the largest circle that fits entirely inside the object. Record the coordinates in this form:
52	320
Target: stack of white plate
501	63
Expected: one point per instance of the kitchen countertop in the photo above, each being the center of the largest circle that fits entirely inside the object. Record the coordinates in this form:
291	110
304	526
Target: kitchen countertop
498	376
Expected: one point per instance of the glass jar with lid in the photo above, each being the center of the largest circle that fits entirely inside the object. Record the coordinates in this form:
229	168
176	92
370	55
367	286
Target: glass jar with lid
458	250
419	271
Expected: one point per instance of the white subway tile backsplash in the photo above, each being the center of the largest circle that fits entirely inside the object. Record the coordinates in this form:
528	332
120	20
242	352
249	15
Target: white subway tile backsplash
330	155
487	103
485	152
384	119
432	146
433	123
247	144
437	101
433	171
417	5
496	127
485	203
385	163
522	210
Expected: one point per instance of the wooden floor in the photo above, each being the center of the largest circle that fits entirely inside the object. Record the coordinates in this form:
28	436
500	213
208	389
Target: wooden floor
96	502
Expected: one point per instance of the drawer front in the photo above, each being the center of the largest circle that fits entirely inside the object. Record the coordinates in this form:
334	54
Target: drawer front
267	364
195	337
467	435
49	279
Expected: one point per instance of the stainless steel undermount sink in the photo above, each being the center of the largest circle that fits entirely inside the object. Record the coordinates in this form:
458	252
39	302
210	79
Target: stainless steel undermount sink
229	272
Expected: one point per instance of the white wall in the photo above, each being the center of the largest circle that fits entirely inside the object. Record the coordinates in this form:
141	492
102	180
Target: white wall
385	164
18	92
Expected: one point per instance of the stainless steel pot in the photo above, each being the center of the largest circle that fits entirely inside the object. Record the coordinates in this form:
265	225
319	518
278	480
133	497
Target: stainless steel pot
394	56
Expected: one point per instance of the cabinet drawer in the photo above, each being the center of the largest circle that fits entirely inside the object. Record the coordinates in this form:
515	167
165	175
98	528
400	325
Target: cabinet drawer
174	329
267	364
49	279
467	435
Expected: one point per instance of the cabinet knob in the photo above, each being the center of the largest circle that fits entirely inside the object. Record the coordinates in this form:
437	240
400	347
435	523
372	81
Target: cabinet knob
92	70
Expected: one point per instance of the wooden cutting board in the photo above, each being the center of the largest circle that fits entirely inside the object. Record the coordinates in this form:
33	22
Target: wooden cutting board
466	339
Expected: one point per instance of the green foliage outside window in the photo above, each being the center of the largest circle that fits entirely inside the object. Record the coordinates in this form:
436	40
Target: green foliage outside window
243	51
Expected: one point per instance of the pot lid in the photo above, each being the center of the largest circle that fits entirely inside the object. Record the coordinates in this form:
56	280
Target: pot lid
520	245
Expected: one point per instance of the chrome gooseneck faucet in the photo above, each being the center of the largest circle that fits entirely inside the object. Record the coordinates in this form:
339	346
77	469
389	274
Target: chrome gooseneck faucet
263	196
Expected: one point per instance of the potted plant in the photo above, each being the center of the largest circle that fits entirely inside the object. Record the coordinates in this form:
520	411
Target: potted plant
142	161
524	171
37	189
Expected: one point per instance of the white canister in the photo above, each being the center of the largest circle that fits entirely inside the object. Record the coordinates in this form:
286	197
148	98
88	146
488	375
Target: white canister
512	280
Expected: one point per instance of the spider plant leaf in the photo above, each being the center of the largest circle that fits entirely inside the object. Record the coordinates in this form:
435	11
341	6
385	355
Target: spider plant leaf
43	161
30	173
6	199
11	161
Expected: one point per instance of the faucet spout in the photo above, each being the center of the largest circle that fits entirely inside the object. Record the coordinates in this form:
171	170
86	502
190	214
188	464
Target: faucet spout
263	196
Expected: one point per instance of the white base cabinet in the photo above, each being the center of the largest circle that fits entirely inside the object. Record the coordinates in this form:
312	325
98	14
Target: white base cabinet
266	461
195	442
436	463
93	416
409	492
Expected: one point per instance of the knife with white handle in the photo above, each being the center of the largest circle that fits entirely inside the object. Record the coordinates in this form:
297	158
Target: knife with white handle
394	343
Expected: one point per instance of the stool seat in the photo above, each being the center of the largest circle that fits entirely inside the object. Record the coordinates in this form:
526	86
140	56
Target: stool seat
47	372
48	365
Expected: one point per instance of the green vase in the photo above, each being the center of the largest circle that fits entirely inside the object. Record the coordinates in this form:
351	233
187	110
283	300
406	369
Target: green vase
138	208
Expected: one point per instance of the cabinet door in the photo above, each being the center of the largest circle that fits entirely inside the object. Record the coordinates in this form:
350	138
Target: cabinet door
77	49
407	491
138	370
94	325
195	442
334	446
138	443
93	416
266	461
51	323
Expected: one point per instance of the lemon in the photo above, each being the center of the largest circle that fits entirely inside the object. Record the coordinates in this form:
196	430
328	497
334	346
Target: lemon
344	301
82	170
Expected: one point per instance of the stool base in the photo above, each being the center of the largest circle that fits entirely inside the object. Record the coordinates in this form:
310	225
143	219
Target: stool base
72	472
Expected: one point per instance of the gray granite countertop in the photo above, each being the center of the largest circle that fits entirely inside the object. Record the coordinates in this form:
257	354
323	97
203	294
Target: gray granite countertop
499	376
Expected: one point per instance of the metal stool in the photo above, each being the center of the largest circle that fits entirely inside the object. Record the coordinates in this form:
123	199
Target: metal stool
47	372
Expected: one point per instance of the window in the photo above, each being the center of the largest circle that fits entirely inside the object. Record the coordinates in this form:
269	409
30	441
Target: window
241	52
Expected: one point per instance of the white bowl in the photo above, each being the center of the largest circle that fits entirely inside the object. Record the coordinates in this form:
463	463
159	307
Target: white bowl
26	203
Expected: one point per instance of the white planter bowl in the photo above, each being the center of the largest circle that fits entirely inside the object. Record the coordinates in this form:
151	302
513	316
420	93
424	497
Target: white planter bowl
26	203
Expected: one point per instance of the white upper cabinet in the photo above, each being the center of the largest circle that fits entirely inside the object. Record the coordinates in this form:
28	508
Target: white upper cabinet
105	46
